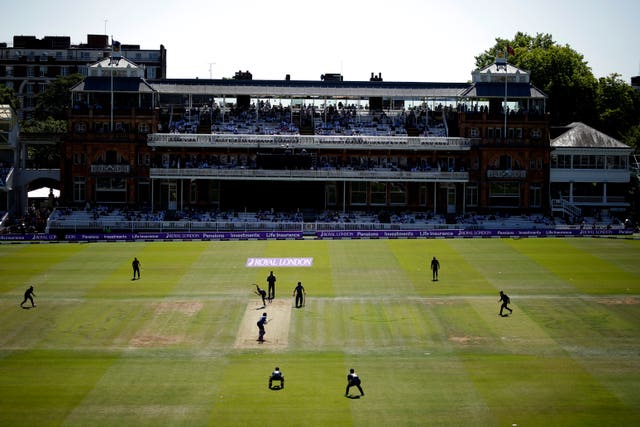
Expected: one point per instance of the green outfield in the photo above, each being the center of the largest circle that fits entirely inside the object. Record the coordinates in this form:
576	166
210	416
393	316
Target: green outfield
102	350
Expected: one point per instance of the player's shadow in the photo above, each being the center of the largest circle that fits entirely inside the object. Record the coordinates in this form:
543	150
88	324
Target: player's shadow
26	308
354	396
276	388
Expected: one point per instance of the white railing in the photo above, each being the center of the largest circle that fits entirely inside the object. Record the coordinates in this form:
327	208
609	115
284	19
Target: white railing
307	141
315	174
561	205
140	226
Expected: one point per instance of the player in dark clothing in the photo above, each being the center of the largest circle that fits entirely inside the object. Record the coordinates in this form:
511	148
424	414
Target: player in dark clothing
504	298
261	323
263	294
353	381
299	293
136	268
435	266
271	281
28	296
276	375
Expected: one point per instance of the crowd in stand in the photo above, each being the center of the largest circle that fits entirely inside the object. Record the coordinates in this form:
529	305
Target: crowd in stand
339	119
103	217
34	220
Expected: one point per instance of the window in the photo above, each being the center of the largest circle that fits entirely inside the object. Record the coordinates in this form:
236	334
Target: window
505	162
471	197
378	193
112	157
110	184
143	128
536	133
504	189
398	194
519	133
616	162
331	194
193	192
473	133
422	197
563	161
79	158
80	127
504	194
79	188
143	191
535	196
111	190
144	159
358	193
489	132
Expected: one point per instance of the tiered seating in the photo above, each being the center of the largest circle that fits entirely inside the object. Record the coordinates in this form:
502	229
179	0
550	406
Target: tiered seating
276	120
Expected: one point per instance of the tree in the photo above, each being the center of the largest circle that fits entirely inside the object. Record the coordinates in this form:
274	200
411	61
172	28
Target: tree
8	97
55	100
632	137
559	71
618	106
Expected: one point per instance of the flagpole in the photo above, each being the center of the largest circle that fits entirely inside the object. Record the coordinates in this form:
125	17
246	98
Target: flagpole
506	68
111	59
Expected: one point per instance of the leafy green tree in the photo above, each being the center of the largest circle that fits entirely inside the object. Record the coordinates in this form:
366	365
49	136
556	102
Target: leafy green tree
49	125
50	117
559	71
632	137
8	97
618	106
55	100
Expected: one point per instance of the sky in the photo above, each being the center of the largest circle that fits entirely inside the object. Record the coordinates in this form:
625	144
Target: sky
408	40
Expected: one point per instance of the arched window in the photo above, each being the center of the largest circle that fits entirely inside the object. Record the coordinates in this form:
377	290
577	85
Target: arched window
505	162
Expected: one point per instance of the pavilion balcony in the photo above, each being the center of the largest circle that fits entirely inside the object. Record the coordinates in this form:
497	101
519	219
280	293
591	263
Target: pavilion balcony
328	174
308	141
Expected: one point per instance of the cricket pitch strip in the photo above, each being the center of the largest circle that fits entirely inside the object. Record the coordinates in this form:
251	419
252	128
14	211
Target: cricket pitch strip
277	327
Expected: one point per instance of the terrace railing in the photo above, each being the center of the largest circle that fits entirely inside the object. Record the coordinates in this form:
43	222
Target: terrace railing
308	141
382	174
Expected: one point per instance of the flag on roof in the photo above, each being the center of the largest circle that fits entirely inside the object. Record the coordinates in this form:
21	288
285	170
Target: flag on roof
115	52
510	50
